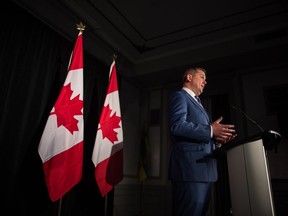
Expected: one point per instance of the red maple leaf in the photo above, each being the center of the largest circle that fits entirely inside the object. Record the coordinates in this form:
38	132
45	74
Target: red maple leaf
66	109
109	123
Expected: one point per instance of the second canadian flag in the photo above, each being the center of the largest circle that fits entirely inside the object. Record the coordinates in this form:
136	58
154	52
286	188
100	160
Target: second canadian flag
107	154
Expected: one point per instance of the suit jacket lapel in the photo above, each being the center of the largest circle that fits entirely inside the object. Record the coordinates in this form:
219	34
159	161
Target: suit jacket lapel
200	107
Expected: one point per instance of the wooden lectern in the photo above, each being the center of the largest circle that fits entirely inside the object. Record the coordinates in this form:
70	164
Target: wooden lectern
248	173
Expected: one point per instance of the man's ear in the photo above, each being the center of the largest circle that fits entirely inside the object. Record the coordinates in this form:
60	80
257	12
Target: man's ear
189	77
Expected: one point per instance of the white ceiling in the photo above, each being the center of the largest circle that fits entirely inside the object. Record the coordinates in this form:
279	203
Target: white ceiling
163	36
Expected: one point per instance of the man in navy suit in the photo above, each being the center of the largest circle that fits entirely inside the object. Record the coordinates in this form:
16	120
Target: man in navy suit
194	137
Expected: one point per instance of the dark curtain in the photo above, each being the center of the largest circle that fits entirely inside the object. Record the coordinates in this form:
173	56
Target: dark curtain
220	107
33	67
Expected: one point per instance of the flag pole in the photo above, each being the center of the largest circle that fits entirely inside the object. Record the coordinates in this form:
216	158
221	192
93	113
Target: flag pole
80	26
106	205
60	206
141	198
114	57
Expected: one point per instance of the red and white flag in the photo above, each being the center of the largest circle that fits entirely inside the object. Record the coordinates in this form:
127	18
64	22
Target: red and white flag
108	148
61	144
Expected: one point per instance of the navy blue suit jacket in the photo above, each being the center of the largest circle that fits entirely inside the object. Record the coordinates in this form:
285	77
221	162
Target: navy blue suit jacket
190	129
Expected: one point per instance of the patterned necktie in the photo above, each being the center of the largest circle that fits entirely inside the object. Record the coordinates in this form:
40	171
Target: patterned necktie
198	99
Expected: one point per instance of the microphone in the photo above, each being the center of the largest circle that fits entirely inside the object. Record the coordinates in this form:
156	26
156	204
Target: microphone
247	117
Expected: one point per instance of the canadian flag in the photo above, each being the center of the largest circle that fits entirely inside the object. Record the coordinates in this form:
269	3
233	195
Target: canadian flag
107	153
61	144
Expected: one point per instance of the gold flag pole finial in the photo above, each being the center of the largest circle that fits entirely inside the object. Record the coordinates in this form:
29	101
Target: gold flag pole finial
114	57
80	27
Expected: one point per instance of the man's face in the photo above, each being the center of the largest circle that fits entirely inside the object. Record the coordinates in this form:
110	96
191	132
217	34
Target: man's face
198	82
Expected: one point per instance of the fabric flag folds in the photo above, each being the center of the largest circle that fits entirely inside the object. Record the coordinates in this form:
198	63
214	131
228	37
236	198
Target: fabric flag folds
107	153
61	144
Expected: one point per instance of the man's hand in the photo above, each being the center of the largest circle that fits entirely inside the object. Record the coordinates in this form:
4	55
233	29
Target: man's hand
223	133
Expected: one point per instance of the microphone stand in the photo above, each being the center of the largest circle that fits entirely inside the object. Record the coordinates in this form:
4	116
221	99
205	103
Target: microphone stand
270	138
247	117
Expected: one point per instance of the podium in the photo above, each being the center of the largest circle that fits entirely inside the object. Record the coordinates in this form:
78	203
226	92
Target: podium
248	173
